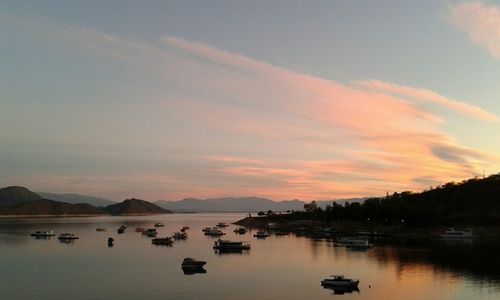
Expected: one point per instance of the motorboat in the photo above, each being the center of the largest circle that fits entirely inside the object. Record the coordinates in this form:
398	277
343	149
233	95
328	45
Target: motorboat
358	244
101	229
191	263
140	229
166	241
261	234
206	229
122	229
214	232
68	236
222	225
183	229
110	242
451	233
180	235
159	225
230	245
43	233
339	281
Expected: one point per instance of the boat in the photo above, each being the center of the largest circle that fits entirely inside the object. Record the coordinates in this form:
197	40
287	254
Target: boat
183	229
68	236
166	241
180	235
358	244
110	242
214	232
191	263
140	229
159	225
230	245
261	234
451	233
122	229
150	232
222	225
100	229
206	229
240	230
339	281
43	233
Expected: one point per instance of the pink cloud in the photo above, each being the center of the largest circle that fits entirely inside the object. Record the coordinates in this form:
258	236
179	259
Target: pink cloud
481	22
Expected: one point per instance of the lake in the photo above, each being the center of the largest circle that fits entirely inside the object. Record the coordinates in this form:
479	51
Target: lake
279	267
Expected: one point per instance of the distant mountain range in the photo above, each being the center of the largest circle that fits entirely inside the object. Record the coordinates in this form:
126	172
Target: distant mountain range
241	204
76	198
16	201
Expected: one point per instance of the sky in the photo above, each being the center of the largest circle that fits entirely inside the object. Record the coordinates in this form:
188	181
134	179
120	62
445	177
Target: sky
280	99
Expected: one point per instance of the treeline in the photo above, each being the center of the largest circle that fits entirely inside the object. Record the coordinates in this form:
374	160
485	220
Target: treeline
470	202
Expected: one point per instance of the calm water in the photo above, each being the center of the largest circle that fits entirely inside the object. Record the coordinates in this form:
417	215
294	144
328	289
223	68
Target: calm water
279	267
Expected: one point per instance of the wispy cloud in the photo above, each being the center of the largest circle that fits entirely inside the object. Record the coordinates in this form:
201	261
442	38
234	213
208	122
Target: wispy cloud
421	94
480	21
226	124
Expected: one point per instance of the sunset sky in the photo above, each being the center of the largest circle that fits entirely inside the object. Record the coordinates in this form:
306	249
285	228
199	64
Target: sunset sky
279	99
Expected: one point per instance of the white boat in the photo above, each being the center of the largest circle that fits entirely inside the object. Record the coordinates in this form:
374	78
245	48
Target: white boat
191	263
214	232
43	233
230	245
340	281
451	233
68	236
159	225
357	243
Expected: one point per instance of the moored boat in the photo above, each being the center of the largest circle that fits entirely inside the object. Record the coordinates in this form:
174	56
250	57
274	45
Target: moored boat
451	233
68	236
191	263
340	281
222	225
230	245
43	233
165	241
150	232
180	235
240	230
159	225
100	229
261	234
214	232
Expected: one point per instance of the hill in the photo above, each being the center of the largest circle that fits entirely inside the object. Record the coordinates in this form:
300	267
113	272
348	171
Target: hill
473	202
43	207
135	207
76	198
14	195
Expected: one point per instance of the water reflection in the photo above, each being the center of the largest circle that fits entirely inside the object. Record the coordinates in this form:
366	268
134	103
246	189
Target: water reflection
340	290
192	271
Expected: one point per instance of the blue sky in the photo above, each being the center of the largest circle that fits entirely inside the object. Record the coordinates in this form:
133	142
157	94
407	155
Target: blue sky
282	99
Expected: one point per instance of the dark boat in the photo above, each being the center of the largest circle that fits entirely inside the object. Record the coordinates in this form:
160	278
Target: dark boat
166	241
240	230
180	236
191	263
122	229
225	245
110	242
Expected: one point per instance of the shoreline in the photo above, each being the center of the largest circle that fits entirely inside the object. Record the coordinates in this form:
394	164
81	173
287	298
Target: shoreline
79	215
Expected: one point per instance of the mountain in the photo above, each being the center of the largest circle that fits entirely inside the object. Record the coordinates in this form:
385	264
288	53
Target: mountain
135	207
43	207
234	204
76	198
14	195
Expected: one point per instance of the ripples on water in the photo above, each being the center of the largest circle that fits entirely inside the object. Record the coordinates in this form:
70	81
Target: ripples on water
279	267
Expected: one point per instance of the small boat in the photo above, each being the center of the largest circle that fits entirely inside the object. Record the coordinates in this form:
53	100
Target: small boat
261	234
339	281
185	228
191	263
358	244
370	233
207	229
100	229
68	236
230	245
240	230
43	233
159	225
150	232
140	229
122	229
166	241
180	235
214	232
451	233
222	225
110	242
